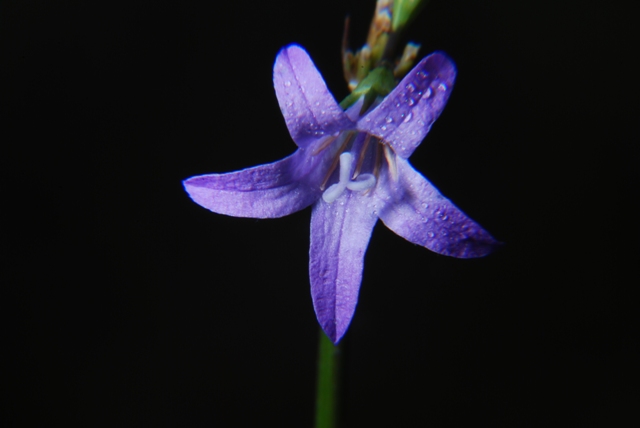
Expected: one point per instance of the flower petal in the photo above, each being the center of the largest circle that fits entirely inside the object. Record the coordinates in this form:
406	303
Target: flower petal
405	116
265	191
308	107
415	210
340	233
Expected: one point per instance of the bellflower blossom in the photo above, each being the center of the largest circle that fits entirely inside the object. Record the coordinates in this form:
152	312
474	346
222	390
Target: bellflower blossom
352	168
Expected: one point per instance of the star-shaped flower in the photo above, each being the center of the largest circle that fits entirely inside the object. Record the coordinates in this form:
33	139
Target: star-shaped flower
352	169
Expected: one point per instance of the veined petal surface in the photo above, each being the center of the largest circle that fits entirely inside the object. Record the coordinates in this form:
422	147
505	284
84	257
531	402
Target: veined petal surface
414	209
265	191
405	116
340	233
308	107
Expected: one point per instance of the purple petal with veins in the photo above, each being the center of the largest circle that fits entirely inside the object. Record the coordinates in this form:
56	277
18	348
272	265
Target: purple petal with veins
266	191
405	116
308	107
340	233
415	210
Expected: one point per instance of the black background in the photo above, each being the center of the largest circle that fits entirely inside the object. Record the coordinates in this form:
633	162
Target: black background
129	305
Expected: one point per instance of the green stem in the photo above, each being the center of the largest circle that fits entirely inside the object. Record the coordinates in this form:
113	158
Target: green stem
327	395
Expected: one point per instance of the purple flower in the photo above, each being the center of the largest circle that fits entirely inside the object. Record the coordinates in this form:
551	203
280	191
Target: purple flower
352	169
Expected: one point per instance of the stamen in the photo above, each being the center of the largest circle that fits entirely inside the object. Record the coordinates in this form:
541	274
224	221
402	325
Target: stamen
391	160
364	182
365	145
378	161
326	143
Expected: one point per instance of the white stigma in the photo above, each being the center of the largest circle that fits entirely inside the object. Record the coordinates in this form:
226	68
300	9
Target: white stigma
361	183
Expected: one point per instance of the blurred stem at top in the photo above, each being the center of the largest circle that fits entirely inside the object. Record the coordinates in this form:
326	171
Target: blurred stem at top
390	19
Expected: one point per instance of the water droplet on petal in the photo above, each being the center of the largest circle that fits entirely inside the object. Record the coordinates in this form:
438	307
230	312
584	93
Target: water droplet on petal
408	118
430	234
445	218
411	101
442	87
428	93
410	87
389	119
383	127
287	83
422	74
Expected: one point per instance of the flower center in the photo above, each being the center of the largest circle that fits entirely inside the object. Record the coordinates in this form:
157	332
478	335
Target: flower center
361	183
355	153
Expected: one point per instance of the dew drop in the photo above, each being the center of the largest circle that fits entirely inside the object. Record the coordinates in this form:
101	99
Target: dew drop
442	87
445	218
408	118
410	87
422	74
430	234
383	127
411	101
287	83
428	93
389	119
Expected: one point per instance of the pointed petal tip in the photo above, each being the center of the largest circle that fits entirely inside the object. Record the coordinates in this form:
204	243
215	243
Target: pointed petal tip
479	246
291	49
308	107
